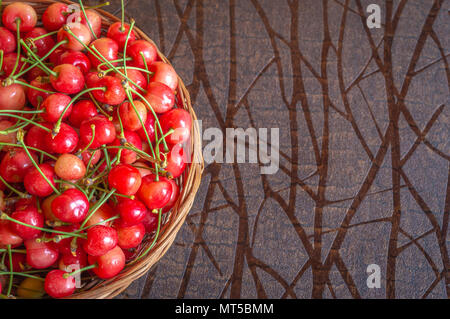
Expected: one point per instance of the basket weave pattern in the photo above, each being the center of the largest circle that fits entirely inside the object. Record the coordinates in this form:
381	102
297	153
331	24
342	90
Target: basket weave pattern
189	183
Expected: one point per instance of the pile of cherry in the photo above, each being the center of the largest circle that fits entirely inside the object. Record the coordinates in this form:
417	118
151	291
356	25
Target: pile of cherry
91	146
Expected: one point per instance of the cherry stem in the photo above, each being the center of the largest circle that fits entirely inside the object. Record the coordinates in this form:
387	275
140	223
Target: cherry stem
19	251
129	68
97	205
26	120
154	240
100	223
108	161
99	67
33	87
31	148
44	35
107	3
21	195
51	72
18	47
40	60
4	216
11	268
1	59
11	273
126	41
90	142
20	139
58	123
60	181
67	275
122	6
87	20
146	67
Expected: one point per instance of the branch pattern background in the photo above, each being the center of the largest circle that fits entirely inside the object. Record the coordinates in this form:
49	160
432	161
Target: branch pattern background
364	170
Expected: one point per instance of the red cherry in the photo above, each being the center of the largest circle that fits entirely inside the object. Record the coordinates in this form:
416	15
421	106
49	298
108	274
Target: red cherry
8	236
136	77
94	20
146	48
86	157
58	285
36	137
127	156
71	206
150	222
176	161
76	58
12	97
115	32
36	97
114	94
108	48
70	167
40	255
35	184
9	62
174	197
7	41
110	264
15	165
56	55
54	106
36	72
129	117
68	259
103	213
18	262
54	16
64	245
69	79
125	178
132	212
81	32
100	240
164	73
154	194
23	203
8	138
149	127
160	97
43	45
29	216
105	131
19	10
81	111
180	121
65	141
130	236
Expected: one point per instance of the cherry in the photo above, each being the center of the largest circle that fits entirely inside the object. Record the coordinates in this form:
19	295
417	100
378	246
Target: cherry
58	284
64	245
114	94
31	288
15	165
127	156
103	213
154	194
116	32
132	212
18	262
68	79
71	206
47	208
54	106
143	168
81	111
8	138
35	184
56	55
110	264
130	236
164	73
8	236
23	203
105	131
125	178
76	58
139	47
94	19
100	240
36	137
30	216
149	126
12	97
65	141
40	255
43	45
129	117
176	161
19	11
174	197
86	157
180	121
160	97
7	41
81	32
9	62
37	72
136	77
70	167
150	222
54	16
108	48
68	259
36	97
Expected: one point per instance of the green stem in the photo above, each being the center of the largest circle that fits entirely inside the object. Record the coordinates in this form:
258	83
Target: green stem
122	6
154	240
38	59
44	35
146	67
21	195
31	148
11	273
27	120
87	20
97	205
18	21
67	275
33	87
126	43
90	142
11	268
59	181
1	59
100	223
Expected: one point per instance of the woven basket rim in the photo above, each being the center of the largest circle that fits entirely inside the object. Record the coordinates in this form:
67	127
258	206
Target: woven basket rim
191	181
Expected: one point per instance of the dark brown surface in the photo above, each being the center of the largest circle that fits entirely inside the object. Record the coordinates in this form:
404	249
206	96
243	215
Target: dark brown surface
364	137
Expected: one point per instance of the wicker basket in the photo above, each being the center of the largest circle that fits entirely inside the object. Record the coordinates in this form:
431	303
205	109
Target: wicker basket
189	183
